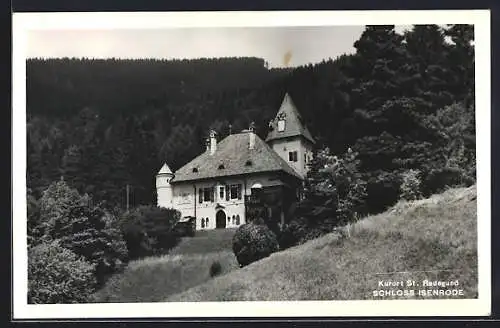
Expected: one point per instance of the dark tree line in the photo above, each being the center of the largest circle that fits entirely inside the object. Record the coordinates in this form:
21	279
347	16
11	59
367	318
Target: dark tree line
103	124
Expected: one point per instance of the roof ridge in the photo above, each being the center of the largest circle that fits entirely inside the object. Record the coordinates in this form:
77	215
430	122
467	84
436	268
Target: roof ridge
234	152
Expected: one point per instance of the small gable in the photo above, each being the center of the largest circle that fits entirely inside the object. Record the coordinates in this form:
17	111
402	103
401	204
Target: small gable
288	122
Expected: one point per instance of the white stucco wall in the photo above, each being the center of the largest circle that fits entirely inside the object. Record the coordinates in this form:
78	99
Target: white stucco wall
164	191
283	146
184	199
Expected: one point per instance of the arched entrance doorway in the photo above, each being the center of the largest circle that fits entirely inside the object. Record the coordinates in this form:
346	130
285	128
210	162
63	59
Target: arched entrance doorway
220	219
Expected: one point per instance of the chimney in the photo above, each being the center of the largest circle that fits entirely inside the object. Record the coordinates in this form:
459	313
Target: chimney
207	143
251	130
213	142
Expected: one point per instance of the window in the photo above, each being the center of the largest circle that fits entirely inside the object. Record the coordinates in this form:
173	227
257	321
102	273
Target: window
238	219
292	156
208	194
235	191
281	125
195	170
200	196
221	167
202	222
248	163
221	192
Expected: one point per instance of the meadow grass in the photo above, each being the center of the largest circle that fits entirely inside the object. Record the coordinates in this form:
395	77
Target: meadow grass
433	239
153	278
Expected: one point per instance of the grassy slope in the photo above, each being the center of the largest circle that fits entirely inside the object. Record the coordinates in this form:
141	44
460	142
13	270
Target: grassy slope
436	234
154	278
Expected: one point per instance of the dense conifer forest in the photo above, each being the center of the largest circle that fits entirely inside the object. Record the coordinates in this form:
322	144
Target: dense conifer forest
401	102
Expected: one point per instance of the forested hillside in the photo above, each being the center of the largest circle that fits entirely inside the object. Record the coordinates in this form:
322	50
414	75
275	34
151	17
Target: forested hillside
401	102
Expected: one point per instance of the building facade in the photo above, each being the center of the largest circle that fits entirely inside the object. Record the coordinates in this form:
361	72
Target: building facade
216	186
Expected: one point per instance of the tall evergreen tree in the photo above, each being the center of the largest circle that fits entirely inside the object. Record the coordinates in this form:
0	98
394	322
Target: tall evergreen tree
461	60
72	168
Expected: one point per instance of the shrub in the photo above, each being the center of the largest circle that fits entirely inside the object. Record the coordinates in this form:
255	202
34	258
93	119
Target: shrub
149	230
215	269
335	195
252	242
293	233
300	230
85	230
57	275
34	232
383	190
456	164
56	203
411	185
335	190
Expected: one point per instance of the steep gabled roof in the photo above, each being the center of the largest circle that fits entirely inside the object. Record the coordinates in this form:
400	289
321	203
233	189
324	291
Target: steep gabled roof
294	124
233	157
165	169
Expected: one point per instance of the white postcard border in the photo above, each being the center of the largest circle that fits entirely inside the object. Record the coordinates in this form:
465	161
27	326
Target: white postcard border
23	22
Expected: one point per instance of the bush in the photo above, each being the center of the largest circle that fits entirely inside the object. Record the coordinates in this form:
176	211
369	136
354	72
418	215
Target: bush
456	164
300	230
252	242
411	185
383	190
215	269
335	195
57	275
34	232
149	230
335	190
293	233
86	230
56	203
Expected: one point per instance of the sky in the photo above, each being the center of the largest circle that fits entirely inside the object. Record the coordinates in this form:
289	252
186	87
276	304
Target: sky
279	46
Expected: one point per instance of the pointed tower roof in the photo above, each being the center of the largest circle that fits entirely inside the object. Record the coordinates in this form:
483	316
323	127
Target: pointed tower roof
294	124
165	169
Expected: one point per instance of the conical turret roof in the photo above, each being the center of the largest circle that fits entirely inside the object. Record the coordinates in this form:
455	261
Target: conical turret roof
165	169
294	124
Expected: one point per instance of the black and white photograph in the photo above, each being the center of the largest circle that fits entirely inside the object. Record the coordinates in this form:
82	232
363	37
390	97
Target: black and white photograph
251	164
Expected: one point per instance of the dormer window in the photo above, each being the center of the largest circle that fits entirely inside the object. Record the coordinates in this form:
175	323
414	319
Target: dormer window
281	121
281	125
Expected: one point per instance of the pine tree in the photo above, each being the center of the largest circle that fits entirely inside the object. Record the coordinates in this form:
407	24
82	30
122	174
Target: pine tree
81	227
34	174
178	149
335	191
461	60
72	168
428	67
34	231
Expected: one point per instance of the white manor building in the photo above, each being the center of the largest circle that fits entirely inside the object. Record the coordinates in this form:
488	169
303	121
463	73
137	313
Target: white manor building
216	186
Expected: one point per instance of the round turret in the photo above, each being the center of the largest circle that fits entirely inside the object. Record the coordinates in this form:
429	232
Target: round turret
163	187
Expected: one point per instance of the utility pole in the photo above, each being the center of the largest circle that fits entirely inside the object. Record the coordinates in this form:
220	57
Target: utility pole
128	197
